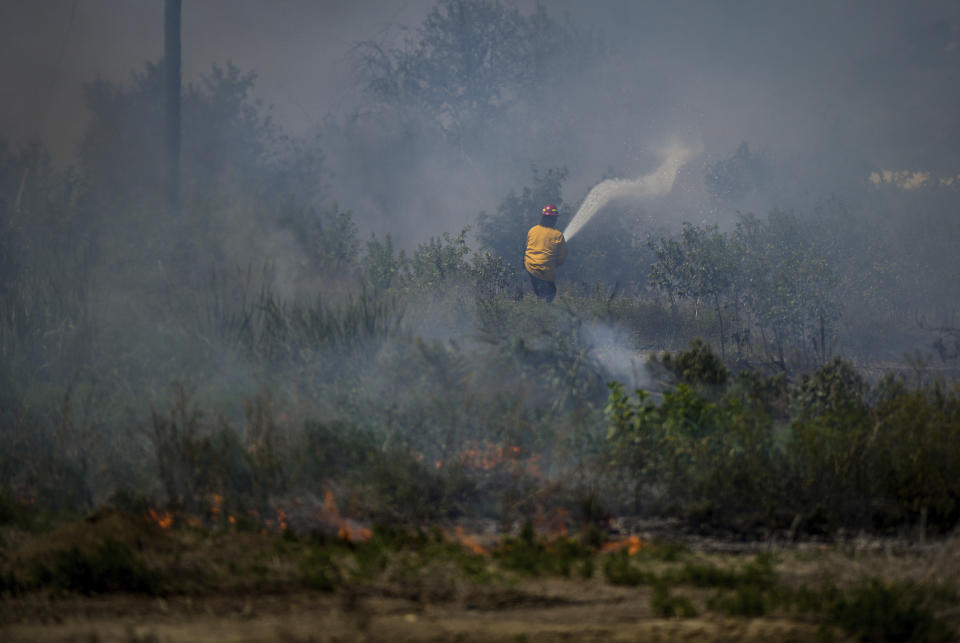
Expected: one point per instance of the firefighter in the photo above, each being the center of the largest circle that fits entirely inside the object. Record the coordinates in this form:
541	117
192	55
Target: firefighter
546	249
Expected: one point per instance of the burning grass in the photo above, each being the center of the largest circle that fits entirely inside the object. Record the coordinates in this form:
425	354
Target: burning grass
112	552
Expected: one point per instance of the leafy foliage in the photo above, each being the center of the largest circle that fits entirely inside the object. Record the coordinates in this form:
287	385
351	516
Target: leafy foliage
696	365
380	267
873	610
439	261
328	239
768	275
731	180
473	61
845	456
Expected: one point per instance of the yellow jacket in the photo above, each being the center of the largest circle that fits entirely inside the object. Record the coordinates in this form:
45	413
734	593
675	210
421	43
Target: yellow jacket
546	249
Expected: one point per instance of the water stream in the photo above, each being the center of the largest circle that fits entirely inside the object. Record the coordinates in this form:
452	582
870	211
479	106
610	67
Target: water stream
657	183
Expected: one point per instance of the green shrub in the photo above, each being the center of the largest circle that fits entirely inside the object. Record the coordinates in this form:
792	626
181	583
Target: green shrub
113	567
318	571
379	266
876	611
619	570
749	601
669	551
588	568
439	261
12	585
697	365
14	512
753	579
666	605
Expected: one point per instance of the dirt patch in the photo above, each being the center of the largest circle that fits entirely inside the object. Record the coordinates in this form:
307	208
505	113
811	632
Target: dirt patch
318	618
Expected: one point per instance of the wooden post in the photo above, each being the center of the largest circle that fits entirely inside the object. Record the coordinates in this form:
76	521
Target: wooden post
171	52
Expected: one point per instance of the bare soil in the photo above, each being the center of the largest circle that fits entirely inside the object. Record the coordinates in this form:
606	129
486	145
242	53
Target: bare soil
547	611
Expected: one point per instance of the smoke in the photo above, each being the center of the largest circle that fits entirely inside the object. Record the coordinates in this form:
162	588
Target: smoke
657	183
612	348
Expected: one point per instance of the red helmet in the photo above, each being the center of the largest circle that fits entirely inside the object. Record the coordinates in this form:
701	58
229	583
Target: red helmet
550	211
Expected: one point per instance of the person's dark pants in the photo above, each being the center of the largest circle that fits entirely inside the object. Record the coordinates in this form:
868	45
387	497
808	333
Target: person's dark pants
543	289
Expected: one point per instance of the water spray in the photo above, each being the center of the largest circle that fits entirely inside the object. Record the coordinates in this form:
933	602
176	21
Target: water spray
657	183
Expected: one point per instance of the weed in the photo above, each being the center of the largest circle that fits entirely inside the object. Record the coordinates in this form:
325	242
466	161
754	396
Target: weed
14	512
668	551
113	567
667	605
371	558
318	571
529	555
874	611
749	601
618	570
758	573
12	585
588	568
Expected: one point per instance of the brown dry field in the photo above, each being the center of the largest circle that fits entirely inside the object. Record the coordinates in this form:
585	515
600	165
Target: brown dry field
441	606
552	611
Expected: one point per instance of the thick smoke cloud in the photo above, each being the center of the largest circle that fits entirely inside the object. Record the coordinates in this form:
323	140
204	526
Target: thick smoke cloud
827	92
334	154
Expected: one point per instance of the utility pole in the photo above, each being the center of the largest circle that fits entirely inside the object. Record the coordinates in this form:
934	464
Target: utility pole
171	53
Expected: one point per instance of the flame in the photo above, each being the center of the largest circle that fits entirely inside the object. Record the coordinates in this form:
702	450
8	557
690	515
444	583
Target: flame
491	457
164	520
468	541
277	523
216	501
632	544
346	529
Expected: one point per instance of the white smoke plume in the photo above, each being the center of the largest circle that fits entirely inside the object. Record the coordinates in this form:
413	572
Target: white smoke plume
657	183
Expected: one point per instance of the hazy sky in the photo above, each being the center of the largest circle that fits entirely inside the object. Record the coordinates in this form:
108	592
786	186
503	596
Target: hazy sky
298	48
875	82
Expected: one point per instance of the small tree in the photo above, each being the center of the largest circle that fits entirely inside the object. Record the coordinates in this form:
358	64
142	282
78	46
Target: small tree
439	261
379	265
699	265
787	283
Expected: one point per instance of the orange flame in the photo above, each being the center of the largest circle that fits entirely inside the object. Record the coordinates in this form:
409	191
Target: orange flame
468	541
164	520
631	544
216	501
346	528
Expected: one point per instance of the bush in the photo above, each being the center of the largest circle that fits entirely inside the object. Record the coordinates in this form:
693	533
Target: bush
439	262
13	511
748	601
619	570
875	611
530	555
113	567
698	365
318	571
666	605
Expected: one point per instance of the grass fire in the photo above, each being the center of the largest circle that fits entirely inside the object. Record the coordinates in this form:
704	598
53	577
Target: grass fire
479	320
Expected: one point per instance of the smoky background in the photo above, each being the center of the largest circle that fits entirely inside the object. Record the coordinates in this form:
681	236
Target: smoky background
357	182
